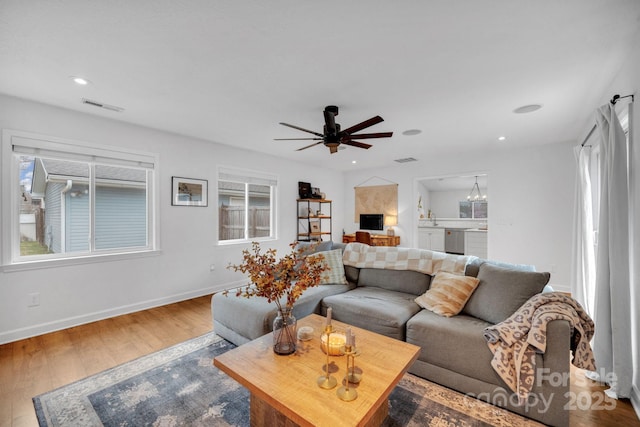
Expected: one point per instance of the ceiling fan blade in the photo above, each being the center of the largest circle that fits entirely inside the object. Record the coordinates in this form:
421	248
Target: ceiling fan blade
355	128
302	129
357	144
372	135
309	146
297	139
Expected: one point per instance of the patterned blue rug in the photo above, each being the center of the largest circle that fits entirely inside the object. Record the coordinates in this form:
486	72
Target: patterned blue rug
179	386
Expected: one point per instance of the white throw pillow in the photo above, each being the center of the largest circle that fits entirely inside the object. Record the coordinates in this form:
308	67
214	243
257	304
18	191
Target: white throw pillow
334	274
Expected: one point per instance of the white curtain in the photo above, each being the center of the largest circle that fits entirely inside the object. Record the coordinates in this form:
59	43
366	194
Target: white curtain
584	267
634	215
612	342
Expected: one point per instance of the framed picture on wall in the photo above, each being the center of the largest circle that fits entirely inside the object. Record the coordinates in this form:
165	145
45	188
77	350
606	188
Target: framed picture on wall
189	192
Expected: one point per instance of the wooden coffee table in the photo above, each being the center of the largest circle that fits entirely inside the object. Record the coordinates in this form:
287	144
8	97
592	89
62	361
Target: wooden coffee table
284	390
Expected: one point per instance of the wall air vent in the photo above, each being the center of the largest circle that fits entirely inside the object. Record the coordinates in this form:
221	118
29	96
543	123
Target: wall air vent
101	105
406	160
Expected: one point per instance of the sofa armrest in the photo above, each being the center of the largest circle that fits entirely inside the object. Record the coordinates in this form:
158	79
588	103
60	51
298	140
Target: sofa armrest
557	355
553	377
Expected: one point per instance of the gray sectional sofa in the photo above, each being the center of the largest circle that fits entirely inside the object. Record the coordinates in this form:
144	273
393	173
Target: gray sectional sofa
454	351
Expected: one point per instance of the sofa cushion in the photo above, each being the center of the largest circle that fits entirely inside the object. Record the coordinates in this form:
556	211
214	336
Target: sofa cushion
352	274
379	310
448	293
454	343
407	281
502	291
473	266
334	275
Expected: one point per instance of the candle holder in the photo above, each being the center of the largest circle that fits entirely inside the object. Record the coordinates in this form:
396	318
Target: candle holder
352	376
326	381
345	392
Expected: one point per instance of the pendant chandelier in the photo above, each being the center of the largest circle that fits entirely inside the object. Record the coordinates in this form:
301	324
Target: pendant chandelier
475	195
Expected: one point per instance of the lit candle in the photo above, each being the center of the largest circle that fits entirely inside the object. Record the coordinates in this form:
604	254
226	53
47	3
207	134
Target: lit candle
329	316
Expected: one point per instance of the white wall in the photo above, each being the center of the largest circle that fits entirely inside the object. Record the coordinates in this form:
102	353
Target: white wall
531	205
446	204
77	294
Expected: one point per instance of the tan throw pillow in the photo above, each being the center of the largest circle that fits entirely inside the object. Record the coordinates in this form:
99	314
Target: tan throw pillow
448	293
334	275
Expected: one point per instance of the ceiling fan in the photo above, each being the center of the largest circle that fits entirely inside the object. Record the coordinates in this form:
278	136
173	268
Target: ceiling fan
333	136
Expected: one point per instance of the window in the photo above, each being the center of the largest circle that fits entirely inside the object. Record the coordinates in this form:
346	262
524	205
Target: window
72	200
246	205
475	210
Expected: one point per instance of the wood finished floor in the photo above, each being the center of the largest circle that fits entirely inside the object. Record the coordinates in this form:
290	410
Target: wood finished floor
33	366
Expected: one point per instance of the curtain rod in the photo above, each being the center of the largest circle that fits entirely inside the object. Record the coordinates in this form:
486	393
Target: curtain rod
613	101
617	97
593	129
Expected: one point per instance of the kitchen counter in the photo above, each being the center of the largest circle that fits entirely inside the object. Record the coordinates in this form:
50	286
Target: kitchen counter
462	223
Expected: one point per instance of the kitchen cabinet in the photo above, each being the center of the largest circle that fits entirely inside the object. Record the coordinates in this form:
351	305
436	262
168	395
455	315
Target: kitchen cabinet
475	243
431	238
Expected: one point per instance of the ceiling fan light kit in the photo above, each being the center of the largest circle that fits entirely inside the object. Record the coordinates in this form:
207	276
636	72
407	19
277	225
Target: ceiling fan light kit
333	136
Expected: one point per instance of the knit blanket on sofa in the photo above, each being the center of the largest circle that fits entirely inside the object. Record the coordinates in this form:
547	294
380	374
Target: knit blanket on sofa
395	258
515	341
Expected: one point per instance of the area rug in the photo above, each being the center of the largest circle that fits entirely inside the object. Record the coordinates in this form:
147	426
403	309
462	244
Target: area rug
179	386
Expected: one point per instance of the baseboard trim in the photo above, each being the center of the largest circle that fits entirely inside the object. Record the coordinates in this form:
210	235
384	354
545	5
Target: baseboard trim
635	400
57	325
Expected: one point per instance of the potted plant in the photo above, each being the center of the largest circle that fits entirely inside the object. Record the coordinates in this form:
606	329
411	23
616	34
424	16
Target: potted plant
281	281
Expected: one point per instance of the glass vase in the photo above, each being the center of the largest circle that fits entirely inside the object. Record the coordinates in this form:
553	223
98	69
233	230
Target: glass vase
284	332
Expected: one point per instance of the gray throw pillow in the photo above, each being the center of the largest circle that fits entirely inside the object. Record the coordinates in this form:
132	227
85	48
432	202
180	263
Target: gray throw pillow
502	291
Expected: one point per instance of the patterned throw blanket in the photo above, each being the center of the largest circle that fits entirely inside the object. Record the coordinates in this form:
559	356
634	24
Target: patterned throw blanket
515	341
394	258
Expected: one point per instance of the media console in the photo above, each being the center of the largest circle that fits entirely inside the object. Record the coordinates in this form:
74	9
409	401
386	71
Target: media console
376	239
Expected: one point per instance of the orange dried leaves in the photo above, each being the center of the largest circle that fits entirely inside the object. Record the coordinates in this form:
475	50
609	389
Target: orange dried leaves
275	279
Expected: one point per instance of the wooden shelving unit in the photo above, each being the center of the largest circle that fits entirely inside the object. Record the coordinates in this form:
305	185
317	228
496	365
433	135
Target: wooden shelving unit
314	220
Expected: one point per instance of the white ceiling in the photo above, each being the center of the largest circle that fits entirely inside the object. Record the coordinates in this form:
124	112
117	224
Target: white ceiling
229	71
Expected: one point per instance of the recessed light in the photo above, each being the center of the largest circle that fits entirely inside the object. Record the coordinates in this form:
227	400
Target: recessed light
353	161
527	108
80	80
411	132
502	138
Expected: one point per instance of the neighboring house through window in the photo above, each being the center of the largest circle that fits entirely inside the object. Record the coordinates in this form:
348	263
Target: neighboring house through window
246	205
73	199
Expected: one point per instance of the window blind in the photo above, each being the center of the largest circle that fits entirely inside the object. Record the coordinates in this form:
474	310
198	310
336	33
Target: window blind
250	177
94	154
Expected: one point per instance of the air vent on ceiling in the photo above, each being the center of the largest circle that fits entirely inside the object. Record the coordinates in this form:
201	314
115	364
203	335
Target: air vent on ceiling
101	105
406	160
